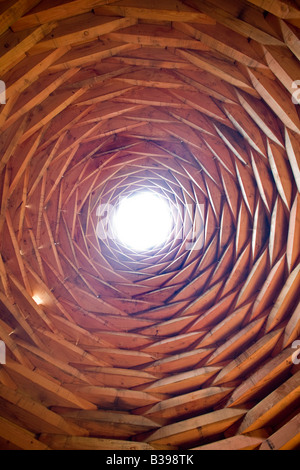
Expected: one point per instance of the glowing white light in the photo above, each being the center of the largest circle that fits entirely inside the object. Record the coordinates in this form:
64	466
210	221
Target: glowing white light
37	299
142	221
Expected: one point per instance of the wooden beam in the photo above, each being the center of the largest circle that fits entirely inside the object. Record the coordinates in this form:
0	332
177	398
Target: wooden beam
238	270
292	329
259	381
80	55
17	53
269	288
56	104
233	443
19	317
113	398
204	301
75	31
34	415
17	252
224	41
259	233
276	237
253	282
178	362
238	368
247	187
238	20
234	144
283	64
159	11
108	424
285	438
172	345
9	144
28	154
196	102
154	79
285	299
263	180
39	93
67	349
220	68
293	241
58	442
292	143
42	389
291	37
277	98
226	327
262	116
176	408
5	333
154	36
184	382
246	126
265	412
236	343
281	8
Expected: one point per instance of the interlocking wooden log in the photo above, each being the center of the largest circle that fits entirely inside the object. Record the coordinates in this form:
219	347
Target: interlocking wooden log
194	343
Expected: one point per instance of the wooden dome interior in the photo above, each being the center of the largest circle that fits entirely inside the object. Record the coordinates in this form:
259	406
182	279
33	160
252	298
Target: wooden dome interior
191	345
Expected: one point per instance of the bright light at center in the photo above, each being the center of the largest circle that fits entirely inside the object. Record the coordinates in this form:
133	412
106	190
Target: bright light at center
37	299
142	221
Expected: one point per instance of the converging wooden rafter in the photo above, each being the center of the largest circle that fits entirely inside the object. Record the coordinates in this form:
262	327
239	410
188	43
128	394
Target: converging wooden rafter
190	345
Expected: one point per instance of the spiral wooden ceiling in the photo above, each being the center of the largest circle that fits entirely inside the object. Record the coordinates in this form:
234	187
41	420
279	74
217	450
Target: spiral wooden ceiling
190	345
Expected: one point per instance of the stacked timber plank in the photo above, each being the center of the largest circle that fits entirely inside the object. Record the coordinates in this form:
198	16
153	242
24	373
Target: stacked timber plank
190	345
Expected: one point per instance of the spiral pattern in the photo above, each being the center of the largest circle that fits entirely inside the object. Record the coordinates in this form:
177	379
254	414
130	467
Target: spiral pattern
190	344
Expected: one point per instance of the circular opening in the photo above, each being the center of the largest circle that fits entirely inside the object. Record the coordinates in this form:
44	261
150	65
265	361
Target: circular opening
142	221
